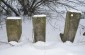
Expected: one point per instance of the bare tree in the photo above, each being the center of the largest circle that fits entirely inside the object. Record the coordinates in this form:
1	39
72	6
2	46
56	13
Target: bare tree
30	7
10	7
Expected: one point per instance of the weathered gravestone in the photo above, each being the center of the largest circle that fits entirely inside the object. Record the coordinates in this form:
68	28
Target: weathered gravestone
71	25
14	28
39	27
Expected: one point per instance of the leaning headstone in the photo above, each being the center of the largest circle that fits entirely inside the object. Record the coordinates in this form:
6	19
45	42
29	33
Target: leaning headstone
71	25
14	28
39	27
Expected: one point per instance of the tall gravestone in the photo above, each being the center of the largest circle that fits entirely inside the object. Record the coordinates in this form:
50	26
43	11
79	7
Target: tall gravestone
14	28
71	25
39	27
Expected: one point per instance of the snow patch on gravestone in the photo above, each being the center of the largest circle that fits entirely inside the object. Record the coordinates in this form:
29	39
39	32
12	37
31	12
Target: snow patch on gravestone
13	17
40	43
13	42
39	15
43	45
68	42
76	11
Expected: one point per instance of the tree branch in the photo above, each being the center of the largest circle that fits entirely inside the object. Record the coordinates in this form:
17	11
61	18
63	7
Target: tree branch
10	8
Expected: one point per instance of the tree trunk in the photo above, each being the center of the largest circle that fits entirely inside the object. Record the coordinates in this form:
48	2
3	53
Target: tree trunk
39	28
14	29
71	25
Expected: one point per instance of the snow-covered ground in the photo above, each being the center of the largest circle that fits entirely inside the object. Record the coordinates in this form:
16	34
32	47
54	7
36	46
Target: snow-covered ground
52	46
41	48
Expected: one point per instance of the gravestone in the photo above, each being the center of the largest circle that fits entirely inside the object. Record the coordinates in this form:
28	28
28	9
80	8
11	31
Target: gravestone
14	28
71	25
39	27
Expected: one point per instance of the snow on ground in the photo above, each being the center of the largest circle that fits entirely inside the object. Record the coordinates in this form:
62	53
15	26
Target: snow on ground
52	46
41	48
